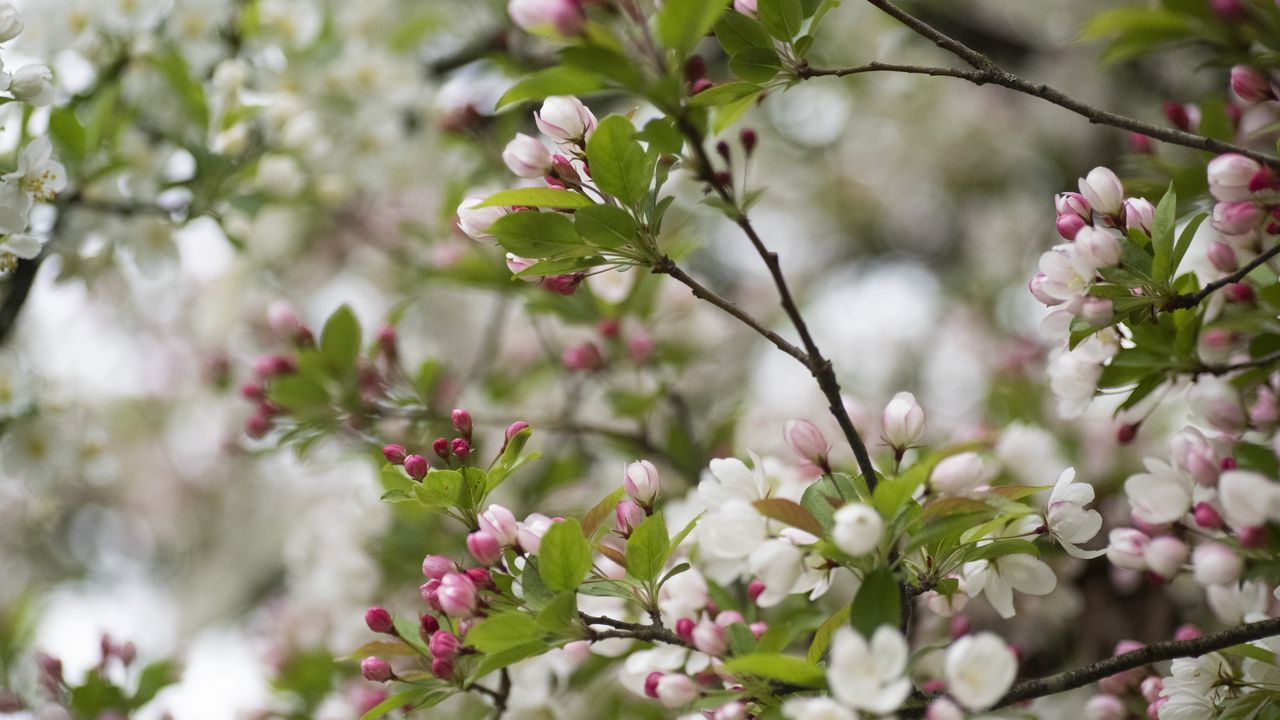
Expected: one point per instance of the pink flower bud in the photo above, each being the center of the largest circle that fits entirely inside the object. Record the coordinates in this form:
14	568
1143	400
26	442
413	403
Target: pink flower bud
416	466
1223	257
736	710
1218	403
517	265
1177	114
959	626
942	708
1098	247
375	669
435	567
481	577
1252	537
754	590
563	284
427	626
500	523
1187	632
1126	548
684	630
746	7
257	426
1216	564
628	516
1070	225
1103	190
1153	710
748	138
442	668
651	684
50	669
957	474
430	591
582	358
1228	10
641	482
1264	179
1139	214
1069	203
903	421
462	421
1126	433
565	119
1207	517
709	637
725	618
758	629
1165	555
806	441
395	454
440	447
253	391
443	645
1237	217
1140	144
476	221
640	346
562	169
283	320
1239	293
1229	177
514	429
675	690
529	537
484	547
1151	688
527	157
1250	85
563	17
1036	286
379	620
457	595
1105	707
460	447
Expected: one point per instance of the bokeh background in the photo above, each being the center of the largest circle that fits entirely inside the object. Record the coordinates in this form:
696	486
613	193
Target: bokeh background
909	213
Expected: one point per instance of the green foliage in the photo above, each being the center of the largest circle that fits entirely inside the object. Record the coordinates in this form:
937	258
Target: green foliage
681	25
783	668
877	603
564	557
617	160
647	548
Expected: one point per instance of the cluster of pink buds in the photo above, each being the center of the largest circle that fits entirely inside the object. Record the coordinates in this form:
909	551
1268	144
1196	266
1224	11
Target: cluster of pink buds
1093	221
417	466
1251	85
1248	198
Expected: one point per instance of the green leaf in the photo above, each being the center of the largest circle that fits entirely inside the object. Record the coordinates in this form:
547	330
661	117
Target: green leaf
1162	236
737	32
153	678
783	668
725	94
604	61
876	604
559	614
536	234
781	18
509	656
512	459
395	702
503	631
188	89
603	510
822	637
826	494
741	640
68	134
297	392
757	65
1245	706
683	24
440	488
1184	242
617	161
537	197
605	226
647	548
564	557
789	512
558	80
340	341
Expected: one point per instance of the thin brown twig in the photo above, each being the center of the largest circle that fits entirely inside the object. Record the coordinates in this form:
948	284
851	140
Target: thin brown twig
655	633
1188	300
1261	361
986	71
819	366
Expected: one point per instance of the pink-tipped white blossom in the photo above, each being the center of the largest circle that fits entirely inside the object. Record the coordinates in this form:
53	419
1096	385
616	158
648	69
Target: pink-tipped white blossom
641	482
1229	177
806	441
566	120
1103	190
457	595
527	157
903	421
563	17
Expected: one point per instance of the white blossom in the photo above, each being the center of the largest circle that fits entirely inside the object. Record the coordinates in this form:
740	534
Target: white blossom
1066	517
869	676
979	670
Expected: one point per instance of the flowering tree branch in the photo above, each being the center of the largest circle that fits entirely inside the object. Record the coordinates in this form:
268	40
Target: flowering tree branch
1192	299
819	366
1262	361
985	70
655	633
1072	679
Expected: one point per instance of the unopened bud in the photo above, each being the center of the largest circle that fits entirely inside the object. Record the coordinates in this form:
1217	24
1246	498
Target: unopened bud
628	516
379	620
641	482
754	589
375	669
651	684
514	429
442	669
437	566
395	454
387	342
460	447
427	626
416	466
443	645
1223	257
484	547
684	629
440	447
748	138
709	637
1187	632
806	440
1207	517
1239	293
